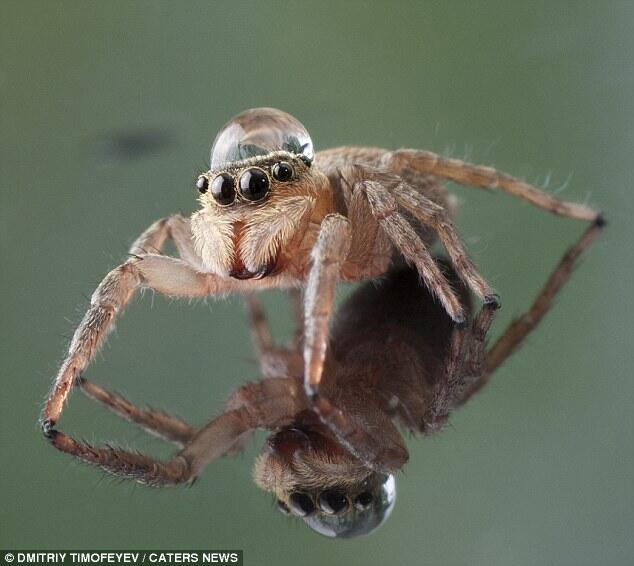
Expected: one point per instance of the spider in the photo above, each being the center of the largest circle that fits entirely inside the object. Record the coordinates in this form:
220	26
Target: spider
410	366
275	214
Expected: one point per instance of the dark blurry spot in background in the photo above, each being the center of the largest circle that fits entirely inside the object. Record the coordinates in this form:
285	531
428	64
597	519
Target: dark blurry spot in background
132	144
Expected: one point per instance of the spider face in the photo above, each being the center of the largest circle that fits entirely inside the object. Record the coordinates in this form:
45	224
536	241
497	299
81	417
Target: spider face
257	194
316	480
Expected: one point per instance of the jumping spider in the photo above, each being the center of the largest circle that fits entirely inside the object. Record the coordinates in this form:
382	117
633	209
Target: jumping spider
274	214
409	366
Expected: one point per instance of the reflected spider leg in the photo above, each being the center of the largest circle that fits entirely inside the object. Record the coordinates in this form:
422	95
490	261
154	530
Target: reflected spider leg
483	364
260	331
428	163
277	361
463	361
451	375
478	339
122	463
266	404
274	361
297	307
157	423
385	457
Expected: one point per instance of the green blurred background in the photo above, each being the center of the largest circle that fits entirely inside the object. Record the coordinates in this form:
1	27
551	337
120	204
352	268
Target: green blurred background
107	113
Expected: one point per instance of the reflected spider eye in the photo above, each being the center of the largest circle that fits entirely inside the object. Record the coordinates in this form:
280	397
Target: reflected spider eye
333	502
223	189
301	504
202	184
363	500
282	507
254	184
283	171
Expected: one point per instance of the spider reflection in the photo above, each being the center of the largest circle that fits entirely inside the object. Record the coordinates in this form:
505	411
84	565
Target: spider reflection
394	358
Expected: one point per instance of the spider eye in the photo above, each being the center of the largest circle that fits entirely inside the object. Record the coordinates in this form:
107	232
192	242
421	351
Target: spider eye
202	184
363	500
254	184
333	502
223	189
301	504
283	171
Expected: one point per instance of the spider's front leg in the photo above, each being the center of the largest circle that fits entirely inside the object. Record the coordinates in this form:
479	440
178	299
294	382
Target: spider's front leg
166	275
163	274
328	256
115	291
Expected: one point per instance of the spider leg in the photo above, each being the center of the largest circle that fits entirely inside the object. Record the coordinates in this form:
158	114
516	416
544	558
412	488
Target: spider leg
163	274
360	214
431	214
478	335
386	454
428	163
260	329
267	404
328	255
112	295
518	330
175	227
210	442
166	275
157	423
469	366
124	464
445	389
385	209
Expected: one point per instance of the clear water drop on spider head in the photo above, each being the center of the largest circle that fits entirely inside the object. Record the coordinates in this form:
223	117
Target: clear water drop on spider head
258	132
